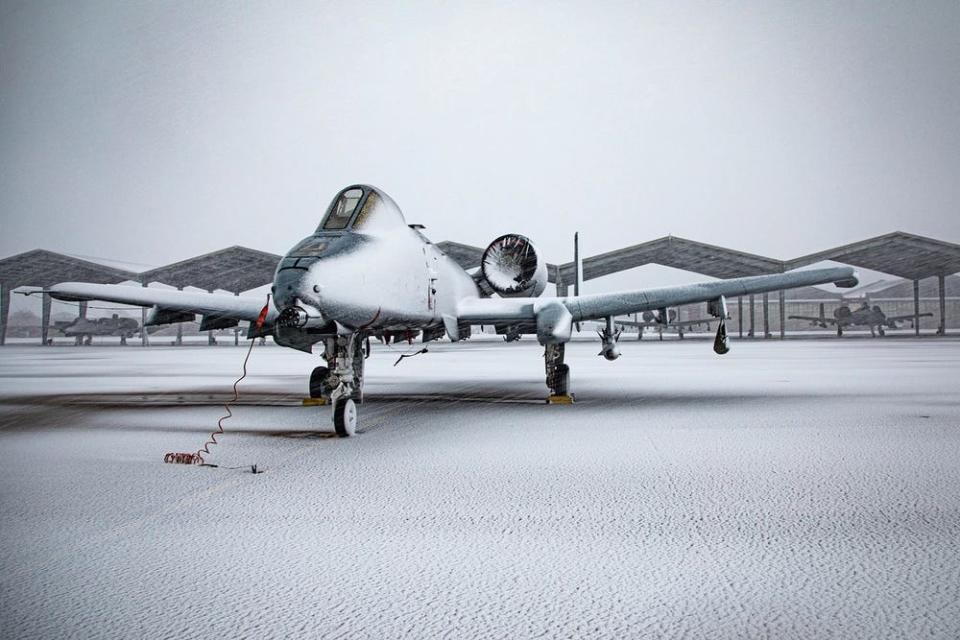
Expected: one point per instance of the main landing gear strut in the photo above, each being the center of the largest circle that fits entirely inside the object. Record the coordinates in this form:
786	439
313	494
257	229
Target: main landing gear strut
558	374
340	383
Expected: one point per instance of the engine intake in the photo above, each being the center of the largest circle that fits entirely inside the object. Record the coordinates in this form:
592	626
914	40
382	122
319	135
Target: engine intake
513	268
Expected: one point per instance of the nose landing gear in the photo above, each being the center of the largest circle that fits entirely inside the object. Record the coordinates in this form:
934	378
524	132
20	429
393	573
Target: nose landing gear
344	417
341	383
319	389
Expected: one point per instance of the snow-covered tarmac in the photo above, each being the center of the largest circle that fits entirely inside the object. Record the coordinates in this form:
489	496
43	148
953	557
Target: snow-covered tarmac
786	490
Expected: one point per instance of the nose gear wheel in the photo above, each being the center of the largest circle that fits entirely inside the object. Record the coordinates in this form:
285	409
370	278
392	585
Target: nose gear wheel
345	417
340	383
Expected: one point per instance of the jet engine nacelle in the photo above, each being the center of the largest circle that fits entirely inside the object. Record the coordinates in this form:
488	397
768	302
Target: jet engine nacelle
513	268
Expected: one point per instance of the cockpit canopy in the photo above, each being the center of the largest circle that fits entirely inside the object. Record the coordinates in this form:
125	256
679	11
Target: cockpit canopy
341	210
364	209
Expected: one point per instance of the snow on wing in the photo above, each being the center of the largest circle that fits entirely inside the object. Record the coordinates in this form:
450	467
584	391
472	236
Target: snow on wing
213	304
589	307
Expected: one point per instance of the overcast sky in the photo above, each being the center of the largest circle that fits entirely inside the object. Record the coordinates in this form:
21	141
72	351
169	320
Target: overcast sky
151	132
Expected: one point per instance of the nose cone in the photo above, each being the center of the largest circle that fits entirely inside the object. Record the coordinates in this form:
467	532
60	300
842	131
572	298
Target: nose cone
289	287
295	295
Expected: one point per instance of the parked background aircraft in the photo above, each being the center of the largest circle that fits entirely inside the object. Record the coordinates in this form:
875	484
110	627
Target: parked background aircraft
865	316
655	320
83	329
365	272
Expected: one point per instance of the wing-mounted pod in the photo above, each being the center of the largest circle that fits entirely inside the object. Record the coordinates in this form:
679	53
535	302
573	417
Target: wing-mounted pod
718	309
212	322
159	316
513	268
609	336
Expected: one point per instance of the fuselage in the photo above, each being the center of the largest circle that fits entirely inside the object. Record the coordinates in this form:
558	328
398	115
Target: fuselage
864	316
364	268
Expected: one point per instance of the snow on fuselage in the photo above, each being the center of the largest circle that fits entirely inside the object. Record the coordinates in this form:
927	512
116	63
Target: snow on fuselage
374	272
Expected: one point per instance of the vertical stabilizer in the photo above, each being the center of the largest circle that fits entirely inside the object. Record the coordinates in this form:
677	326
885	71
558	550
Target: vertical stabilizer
577	268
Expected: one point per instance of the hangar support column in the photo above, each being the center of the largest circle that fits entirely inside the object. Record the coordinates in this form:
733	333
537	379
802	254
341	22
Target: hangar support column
179	340
144	338
942	331
4	312
916	308
766	315
81	315
750	333
740	315
782	301
45	319
236	332
211	341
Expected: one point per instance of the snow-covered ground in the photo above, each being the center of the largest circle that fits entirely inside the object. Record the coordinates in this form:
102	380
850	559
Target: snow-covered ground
786	490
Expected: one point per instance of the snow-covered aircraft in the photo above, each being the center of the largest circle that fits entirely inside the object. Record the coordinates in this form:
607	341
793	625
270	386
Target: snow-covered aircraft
867	316
663	319
83	329
364	271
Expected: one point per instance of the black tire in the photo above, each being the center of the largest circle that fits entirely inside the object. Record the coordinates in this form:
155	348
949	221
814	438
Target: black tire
317	386
562	380
345	417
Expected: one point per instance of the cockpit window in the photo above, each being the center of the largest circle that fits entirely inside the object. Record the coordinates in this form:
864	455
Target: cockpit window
342	210
311	247
372	201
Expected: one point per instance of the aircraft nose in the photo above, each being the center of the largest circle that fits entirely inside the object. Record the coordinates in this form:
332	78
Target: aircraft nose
291	285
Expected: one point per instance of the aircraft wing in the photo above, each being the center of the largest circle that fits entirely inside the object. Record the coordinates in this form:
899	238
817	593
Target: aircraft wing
632	323
590	307
814	319
675	323
905	318
210	305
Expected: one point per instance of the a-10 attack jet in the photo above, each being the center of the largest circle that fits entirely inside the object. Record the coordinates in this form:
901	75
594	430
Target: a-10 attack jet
865	316
663	319
83	329
365	272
